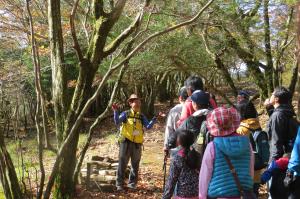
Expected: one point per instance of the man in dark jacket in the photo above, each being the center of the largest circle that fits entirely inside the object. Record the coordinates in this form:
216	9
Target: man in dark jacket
278	125
200	103
278	128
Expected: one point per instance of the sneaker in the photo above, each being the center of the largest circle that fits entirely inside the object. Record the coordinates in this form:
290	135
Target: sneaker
120	188
131	186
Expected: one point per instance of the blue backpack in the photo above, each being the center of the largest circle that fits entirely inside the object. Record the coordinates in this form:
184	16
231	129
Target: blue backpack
259	140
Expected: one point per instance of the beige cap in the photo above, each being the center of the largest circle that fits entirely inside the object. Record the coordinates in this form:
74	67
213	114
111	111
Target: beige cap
132	97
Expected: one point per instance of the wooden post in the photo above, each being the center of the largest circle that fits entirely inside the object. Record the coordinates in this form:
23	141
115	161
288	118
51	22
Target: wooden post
88	175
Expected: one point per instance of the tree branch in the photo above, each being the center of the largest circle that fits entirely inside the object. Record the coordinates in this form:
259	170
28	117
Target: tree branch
220	65
73	32
116	12
286	42
253	11
99	9
100	118
116	43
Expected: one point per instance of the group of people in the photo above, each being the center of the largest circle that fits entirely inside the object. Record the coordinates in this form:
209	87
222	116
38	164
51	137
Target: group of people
218	152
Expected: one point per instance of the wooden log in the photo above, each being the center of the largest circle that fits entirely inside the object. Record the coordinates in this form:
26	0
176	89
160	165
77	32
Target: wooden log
103	178
100	165
108	172
107	187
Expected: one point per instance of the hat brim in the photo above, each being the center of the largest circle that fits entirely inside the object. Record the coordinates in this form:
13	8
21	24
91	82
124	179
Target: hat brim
132	99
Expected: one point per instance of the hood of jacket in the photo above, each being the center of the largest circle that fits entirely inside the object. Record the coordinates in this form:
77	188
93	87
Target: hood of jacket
201	112
233	146
247	125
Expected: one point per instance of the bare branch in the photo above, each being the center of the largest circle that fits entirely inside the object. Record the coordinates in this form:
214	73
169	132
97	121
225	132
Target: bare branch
73	31
116	43
36	63
204	38
254	10
16	27
286	42
220	65
116	12
84	22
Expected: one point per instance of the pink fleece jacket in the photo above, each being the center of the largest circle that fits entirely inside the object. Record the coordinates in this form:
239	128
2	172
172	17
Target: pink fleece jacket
207	170
188	110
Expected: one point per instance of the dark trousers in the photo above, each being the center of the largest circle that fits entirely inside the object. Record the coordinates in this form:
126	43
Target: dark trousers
256	189
294	189
276	186
133	151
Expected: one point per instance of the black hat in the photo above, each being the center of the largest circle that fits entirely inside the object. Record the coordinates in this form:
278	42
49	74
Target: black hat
200	97
244	93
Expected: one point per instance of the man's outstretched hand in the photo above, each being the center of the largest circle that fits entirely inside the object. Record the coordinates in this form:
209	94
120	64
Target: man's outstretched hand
115	107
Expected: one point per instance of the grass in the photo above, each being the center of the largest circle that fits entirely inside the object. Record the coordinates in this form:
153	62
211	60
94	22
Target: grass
26	147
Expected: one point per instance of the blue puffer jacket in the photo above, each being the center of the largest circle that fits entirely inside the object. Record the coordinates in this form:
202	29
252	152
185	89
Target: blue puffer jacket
294	162
222	183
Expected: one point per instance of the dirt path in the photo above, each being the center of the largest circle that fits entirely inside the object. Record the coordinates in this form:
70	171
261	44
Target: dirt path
151	174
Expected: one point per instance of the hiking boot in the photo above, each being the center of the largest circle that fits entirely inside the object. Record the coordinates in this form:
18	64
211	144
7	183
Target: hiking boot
120	188
131	186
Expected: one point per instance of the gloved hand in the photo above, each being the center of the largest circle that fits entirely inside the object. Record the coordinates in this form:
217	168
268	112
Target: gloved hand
266	176
114	107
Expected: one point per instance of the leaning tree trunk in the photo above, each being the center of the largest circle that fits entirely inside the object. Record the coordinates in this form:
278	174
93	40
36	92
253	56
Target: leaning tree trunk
163	94
298	51
294	78
8	176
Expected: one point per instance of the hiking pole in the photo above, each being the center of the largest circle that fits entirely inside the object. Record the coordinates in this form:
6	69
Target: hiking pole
165	169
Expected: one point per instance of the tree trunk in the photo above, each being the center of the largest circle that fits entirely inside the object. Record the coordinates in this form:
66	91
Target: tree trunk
8	176
226	74
64	185
253	65
298	52
163	94
59	86
269	67
294	79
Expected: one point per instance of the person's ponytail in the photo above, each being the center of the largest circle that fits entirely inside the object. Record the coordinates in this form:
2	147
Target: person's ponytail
192	158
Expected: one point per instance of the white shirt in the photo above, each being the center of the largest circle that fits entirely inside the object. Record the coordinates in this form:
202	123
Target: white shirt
173	117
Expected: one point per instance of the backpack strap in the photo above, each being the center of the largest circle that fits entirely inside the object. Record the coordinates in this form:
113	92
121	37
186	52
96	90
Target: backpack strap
253	136
127	112
234	174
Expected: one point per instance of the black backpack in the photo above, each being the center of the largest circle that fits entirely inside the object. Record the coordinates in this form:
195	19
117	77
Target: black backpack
259	140
203	138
